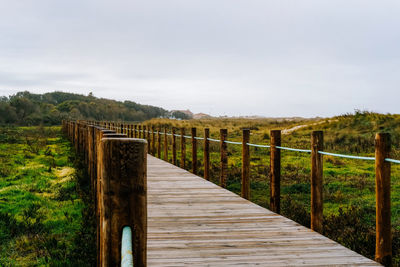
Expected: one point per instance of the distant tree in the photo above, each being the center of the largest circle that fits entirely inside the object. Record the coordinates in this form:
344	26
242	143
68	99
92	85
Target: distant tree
25	108
8	113
180	115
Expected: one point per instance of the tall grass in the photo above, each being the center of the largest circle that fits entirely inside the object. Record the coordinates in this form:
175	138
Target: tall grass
349	185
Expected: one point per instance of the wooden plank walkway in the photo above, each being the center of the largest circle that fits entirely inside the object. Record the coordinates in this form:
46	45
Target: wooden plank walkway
193	222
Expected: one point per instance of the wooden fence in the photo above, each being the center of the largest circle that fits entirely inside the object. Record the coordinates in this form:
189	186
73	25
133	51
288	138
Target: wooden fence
117	169
382	166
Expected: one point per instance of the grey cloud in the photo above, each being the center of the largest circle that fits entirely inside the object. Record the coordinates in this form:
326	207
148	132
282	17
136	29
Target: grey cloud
275	58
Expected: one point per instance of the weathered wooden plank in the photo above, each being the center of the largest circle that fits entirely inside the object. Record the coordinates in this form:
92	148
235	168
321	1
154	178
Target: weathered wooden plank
193	222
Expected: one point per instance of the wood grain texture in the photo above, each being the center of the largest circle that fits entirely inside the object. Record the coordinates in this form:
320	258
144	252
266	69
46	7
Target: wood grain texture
123	199
165	144
149	140
159	142
245	164
317	144
383	251
153	145
223	173
275	172
206	152
193	222
183	149
174	146
194	151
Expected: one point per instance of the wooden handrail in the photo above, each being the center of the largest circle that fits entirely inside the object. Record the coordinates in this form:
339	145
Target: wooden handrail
82	134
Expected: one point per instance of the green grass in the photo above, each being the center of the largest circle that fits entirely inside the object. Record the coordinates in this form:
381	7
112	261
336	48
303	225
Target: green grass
44	204
349	184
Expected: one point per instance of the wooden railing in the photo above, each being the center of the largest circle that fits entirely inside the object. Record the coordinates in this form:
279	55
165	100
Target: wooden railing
383	252
117	169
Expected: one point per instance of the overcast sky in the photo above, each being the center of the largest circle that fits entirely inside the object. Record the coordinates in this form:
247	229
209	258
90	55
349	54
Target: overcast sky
222	57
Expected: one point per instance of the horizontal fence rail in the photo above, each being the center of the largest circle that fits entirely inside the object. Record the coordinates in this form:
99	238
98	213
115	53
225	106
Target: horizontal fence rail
382	160
268	146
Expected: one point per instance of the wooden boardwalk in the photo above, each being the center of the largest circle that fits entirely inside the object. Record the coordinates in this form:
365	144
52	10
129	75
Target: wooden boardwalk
193	222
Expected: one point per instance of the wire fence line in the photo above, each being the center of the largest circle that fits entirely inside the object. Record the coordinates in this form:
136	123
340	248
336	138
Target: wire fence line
346	156
234	143
214	140
255	145
293	149
393	160
265	146
383	173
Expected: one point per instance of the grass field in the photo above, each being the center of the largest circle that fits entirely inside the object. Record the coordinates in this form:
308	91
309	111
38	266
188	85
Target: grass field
349	185
46	214
44	206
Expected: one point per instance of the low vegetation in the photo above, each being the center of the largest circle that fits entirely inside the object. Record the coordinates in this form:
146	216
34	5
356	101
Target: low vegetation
349	185
45	208
46	214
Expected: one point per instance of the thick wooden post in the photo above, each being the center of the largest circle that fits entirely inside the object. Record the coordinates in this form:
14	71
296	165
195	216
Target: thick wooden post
122	129
206	154
173	146
148	140
165	144
153	145
317	144
245	164
91	157
99	132
275	172
159	142
71	131
194	151
183	149
140	131
77	137
84	142
135	131
383	250
123	199
224	158
81	137
144	132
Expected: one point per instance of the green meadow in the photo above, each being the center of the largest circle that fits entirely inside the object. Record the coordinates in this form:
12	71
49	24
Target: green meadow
349	184
45	210
46	213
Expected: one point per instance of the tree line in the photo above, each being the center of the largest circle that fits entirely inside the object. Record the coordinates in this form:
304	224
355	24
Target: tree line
25	108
